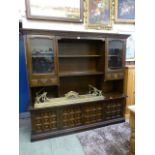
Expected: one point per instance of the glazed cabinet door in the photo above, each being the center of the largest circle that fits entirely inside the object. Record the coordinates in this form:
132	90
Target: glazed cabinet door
115	59
42	60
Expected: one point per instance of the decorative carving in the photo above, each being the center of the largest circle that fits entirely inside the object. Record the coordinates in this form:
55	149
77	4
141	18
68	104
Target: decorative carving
72	95
94	91
113	10
113	110
44	121
93	113
41	98
72	117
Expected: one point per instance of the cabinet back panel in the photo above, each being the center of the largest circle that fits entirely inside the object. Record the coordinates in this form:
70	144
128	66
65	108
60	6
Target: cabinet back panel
118	86
74	65
80	47
78	84
112	86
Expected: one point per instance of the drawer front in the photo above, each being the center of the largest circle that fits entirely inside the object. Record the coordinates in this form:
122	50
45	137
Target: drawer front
44	121
93	113
114	109
71	116
114	76
44	82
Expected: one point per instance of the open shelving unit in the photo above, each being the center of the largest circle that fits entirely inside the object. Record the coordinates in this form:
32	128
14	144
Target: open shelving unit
80	63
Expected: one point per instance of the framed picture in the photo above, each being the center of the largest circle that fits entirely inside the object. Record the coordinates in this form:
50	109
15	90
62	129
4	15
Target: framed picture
125	11
98	14
58	10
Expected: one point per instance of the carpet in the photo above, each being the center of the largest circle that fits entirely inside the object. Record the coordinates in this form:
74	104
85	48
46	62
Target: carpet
109	140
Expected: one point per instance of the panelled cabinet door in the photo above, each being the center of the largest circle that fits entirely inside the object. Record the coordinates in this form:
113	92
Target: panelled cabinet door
42	60
114	59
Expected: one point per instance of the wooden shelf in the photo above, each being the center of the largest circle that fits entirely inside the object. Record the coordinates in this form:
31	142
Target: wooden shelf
42	56
114	95
67	74
79	56
113	55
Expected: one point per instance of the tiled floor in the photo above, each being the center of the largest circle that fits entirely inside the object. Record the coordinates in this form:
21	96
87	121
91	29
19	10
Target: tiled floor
66	145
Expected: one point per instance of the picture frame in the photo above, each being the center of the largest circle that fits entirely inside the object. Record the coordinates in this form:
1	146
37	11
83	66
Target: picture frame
98	14
125	11
130	48
59	10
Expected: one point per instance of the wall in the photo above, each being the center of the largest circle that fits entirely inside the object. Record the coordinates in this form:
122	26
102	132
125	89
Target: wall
51	25
117	28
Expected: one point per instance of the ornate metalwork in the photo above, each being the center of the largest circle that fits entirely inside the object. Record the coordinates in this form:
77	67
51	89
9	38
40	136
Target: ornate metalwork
41	98
94	91
72	95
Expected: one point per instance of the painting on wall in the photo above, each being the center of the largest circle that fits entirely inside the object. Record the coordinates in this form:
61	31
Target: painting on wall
58	10
98	14
125	11
130	48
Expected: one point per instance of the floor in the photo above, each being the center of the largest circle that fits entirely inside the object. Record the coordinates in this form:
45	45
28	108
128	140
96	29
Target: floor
65	145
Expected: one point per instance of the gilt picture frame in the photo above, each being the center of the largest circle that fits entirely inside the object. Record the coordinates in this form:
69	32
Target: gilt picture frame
125	11
98	14
59	10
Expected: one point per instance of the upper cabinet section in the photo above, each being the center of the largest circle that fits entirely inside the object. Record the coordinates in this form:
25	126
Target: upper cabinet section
42	60
114	59
54	54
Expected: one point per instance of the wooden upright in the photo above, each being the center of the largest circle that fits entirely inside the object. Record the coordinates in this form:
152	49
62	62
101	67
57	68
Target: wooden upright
129	87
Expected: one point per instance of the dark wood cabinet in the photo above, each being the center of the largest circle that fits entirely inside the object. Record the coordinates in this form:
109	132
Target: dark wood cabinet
59	120
115	59
63	61
42	60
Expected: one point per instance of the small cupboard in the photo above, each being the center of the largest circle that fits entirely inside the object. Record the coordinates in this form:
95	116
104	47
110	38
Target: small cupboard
115	59
42	60
62	61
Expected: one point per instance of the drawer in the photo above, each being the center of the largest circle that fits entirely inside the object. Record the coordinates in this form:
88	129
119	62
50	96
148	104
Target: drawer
44	82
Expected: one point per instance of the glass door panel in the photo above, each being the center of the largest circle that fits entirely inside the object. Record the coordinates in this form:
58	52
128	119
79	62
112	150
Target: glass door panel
115	55
42	52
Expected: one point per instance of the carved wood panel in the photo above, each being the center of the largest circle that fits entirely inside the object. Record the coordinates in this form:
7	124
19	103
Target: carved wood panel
44	121
93	113
114	109
72	117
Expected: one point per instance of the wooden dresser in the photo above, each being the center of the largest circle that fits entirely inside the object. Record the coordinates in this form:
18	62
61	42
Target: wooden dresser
62	61
132	125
